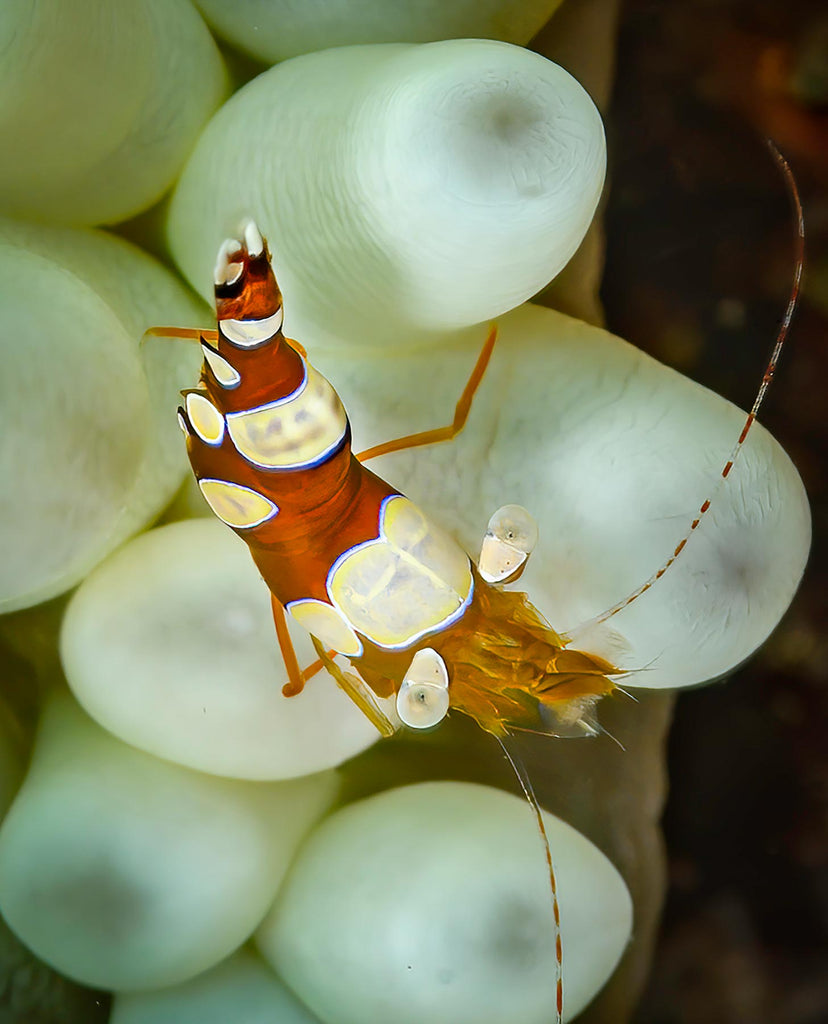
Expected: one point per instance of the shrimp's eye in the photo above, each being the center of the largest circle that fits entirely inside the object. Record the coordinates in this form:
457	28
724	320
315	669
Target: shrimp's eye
516	527
511	536
423	698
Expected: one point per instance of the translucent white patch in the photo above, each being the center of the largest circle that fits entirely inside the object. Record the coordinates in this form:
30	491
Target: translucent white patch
253	238
251	333
294	432
237	506
205	418
412	580
423	697
498	561
328	624
227	272
510	538
183	424
602	639
228	376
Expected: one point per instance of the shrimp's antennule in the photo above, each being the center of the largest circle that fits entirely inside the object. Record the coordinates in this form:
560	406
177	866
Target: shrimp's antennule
770	370
519	768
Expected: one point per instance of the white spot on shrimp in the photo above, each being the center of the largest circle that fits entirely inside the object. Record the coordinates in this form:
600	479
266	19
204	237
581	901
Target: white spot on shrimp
237	506
252	333
205	418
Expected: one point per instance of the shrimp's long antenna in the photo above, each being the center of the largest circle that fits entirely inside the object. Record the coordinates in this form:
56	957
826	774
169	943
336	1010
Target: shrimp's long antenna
519	768
770	370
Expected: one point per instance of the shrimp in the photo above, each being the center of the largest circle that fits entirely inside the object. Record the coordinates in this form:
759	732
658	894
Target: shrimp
357	563
349	557
360	566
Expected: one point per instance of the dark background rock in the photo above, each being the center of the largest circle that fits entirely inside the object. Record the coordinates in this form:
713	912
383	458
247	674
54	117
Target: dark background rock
32	993
699	265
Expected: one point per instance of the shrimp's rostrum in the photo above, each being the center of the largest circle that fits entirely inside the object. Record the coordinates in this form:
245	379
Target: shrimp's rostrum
355	562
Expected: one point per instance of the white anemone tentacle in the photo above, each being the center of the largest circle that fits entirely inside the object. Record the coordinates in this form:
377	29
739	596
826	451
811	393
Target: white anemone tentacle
467	173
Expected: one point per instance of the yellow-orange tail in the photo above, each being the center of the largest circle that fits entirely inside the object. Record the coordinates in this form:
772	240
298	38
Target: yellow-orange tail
511	670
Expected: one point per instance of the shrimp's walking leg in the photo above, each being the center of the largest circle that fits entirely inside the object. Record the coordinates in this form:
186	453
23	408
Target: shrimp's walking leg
297	676
359	692
296	681
461	412
356	689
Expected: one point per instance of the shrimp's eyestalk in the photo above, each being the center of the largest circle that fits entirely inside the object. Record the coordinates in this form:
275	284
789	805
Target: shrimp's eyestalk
423	697
510	538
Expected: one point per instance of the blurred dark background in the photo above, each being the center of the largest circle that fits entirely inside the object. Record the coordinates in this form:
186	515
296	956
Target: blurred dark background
700	259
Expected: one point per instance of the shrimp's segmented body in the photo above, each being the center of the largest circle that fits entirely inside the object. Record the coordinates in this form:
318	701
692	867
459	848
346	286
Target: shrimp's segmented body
358	564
